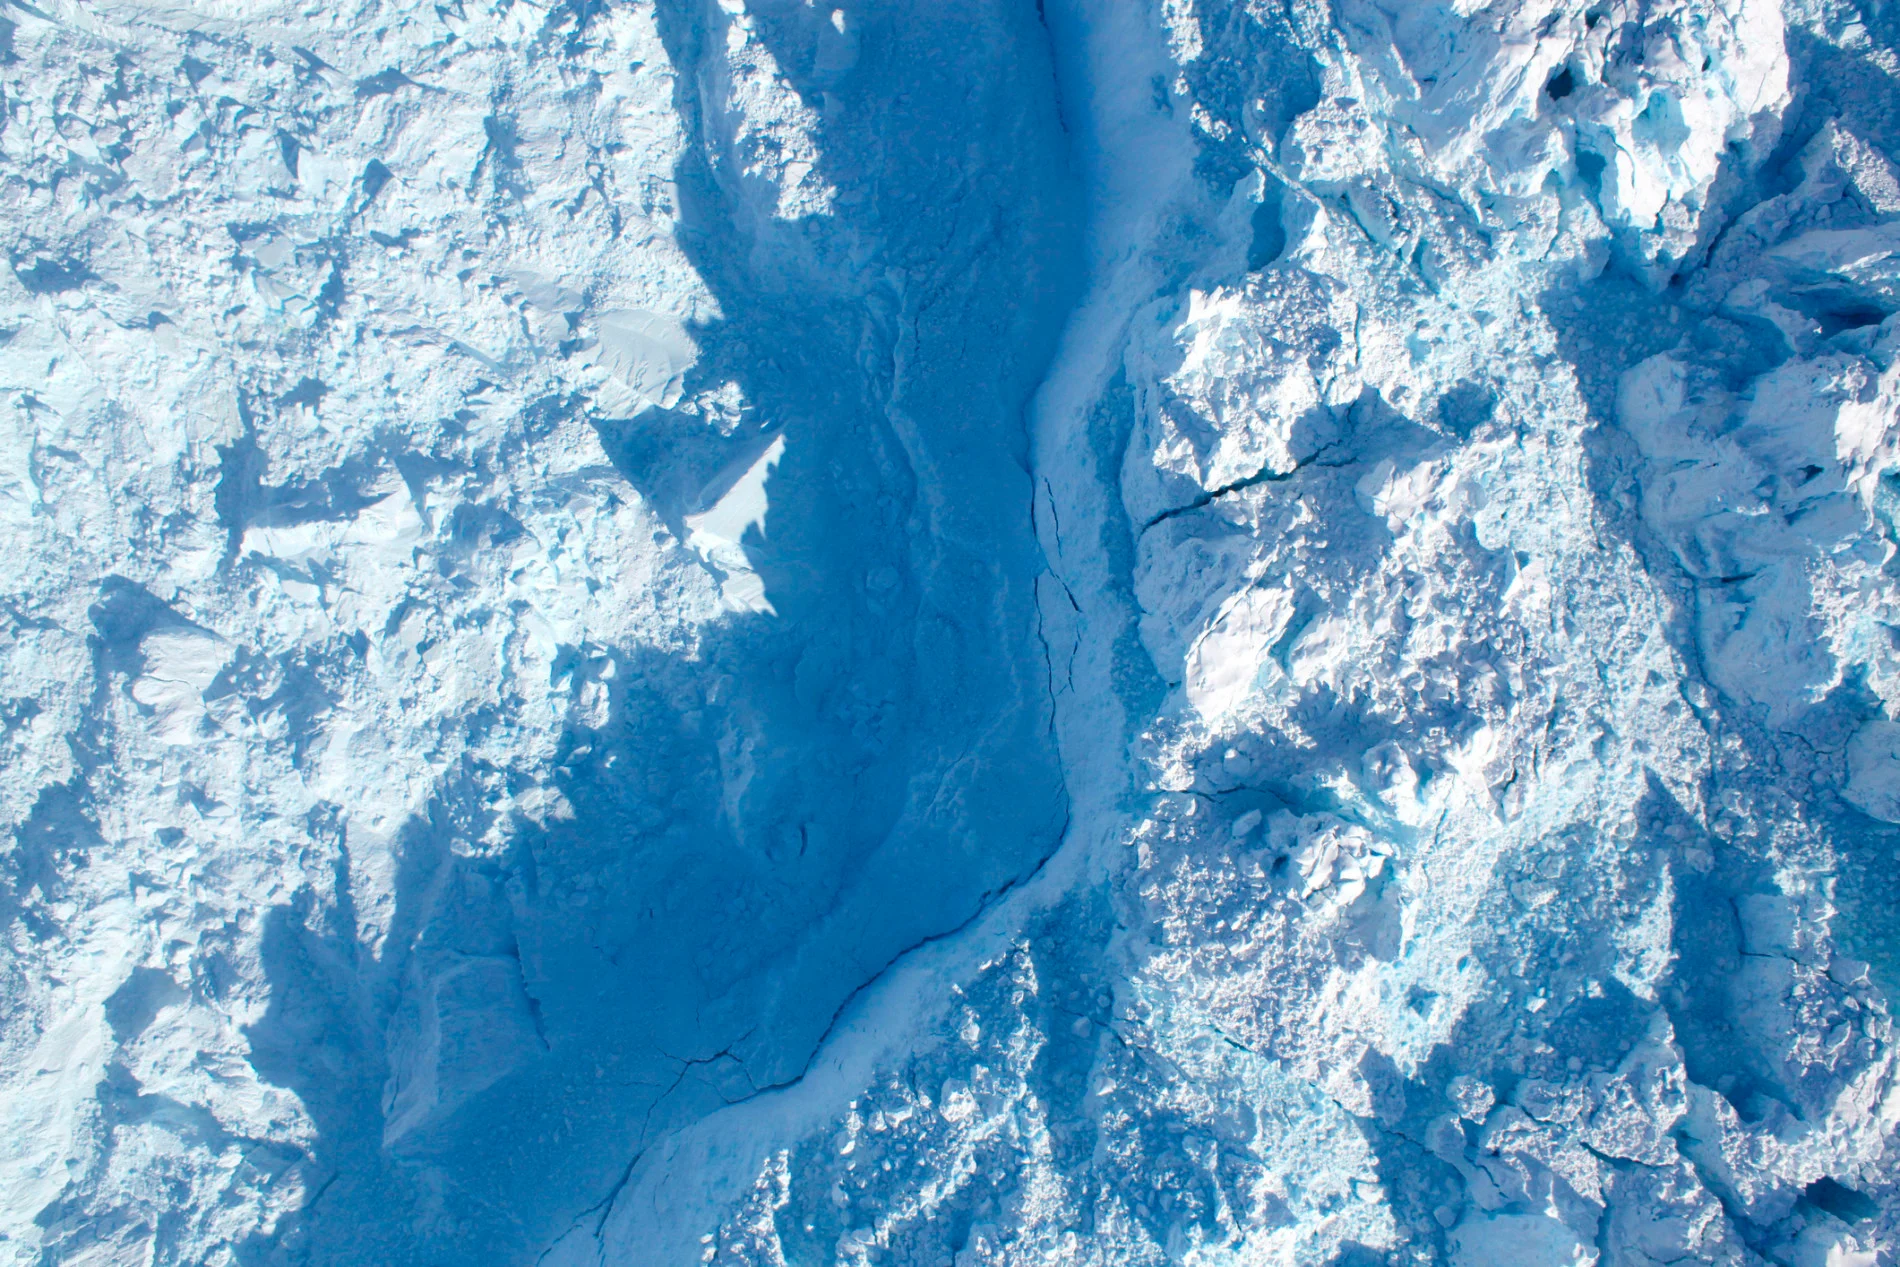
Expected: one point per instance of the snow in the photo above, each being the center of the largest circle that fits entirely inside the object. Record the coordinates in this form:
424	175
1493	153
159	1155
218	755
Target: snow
756	632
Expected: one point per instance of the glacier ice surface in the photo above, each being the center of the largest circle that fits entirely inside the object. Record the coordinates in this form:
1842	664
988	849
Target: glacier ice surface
1021	631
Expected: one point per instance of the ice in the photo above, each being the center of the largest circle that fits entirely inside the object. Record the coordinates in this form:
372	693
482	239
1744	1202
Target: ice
1224	664
744	632
649	351
718	533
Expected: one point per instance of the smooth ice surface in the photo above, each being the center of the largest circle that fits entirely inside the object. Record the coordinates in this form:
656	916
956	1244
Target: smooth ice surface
965	633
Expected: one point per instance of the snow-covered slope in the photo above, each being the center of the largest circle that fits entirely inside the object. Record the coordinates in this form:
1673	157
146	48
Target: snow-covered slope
978	633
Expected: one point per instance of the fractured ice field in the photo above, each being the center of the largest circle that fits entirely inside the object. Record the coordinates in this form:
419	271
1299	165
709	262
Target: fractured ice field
950	633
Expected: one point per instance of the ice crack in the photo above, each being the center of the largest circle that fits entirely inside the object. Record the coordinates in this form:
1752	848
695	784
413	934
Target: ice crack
1266	475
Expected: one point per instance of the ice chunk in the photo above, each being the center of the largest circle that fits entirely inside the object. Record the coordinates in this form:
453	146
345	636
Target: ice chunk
1224	664
179	665
1485	1240
1873	765
718	533
649	352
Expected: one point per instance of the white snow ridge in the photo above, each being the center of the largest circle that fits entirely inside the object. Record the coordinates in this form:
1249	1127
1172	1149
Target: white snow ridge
972	633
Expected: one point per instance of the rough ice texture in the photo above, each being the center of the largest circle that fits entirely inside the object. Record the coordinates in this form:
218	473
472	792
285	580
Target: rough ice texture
970	633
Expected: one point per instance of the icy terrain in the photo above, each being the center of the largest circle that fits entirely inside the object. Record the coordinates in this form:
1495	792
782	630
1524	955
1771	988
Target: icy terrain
952	633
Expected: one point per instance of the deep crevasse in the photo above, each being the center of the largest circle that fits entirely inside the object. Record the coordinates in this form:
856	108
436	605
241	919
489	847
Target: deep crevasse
1462	481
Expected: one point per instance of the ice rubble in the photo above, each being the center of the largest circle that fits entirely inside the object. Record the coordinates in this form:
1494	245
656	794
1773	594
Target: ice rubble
537	727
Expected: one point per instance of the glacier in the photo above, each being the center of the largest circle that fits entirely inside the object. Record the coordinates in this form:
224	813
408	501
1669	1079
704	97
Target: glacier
1111	632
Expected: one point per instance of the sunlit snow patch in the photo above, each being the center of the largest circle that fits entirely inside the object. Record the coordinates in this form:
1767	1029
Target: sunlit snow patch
647	351
179	665
717	533
1224	664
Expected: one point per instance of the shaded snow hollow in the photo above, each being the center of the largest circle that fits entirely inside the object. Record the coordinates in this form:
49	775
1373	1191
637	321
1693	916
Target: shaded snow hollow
950	634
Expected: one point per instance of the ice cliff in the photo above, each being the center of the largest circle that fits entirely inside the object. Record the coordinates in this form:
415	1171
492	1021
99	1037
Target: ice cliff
957	634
